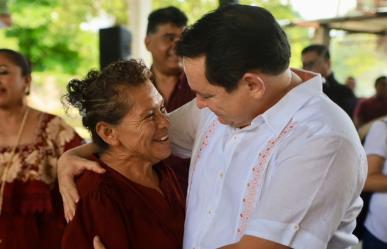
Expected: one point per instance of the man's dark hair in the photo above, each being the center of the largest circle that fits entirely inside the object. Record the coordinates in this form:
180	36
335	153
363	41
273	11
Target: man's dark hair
165	15
379	80
321	50
236	39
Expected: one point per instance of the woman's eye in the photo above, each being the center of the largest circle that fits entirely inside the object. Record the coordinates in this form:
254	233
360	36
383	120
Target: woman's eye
150	116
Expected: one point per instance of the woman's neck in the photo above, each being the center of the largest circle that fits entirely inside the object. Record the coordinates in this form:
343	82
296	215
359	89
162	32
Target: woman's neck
132	167
13	114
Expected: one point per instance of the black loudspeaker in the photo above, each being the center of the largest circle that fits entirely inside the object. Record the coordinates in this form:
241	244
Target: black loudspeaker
114	45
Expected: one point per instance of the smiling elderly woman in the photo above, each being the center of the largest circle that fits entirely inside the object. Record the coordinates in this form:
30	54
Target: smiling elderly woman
137	202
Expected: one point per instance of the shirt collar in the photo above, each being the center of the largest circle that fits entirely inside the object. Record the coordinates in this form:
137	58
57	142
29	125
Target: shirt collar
279	115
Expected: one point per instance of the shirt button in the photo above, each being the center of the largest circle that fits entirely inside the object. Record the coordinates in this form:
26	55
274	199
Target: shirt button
221	175
209	211
296	227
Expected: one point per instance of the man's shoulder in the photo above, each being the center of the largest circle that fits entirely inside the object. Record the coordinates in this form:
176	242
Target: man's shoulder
321	117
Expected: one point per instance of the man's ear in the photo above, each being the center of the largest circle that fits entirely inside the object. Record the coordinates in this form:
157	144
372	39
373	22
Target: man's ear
147	42
107	133
254	84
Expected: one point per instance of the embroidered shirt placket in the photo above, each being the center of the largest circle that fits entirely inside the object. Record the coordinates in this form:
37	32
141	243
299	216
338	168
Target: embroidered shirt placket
255	183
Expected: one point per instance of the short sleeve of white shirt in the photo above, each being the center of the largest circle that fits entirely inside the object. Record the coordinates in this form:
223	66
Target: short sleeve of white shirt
304	212
184	124
376	140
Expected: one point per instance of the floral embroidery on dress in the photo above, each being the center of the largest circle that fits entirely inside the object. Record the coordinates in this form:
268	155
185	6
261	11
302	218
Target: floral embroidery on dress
16	165
60	132
38	160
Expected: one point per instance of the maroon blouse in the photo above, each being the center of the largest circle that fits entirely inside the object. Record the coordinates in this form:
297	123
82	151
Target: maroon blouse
126	215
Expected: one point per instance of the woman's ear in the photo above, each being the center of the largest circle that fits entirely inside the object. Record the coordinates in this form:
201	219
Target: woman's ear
107	133
27	81
254	84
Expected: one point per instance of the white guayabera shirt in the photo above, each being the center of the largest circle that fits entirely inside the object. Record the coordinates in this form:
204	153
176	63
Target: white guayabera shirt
293	176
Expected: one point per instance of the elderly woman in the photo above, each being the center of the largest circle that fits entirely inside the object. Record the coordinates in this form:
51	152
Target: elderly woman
31	142
137	203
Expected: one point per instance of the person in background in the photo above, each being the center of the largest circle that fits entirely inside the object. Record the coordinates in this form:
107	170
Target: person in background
316	58
351	83
275	163
374	107
137	203
5	16
375	234
164	29
31	142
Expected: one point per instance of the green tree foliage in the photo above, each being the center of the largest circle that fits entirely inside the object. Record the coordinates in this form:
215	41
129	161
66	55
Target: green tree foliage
50	34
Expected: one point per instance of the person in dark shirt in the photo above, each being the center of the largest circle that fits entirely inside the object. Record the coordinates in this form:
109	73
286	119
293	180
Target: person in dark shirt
138	195
316	58
351	83
164	28
375	107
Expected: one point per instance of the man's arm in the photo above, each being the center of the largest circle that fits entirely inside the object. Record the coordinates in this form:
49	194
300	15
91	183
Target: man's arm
309	184
184	124
250	242
71	164
247	242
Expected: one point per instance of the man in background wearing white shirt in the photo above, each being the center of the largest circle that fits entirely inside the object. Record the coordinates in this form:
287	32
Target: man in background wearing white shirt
275	163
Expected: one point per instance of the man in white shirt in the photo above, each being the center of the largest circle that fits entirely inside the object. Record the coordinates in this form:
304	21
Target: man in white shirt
275	163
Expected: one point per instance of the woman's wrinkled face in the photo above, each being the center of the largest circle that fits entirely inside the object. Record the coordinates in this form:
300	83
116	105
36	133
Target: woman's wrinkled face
13	85
143	132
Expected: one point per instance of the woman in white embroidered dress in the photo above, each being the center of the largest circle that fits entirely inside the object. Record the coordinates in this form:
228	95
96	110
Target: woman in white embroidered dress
31	141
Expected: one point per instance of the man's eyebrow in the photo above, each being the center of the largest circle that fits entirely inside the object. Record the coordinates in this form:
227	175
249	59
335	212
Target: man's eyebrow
170	34
204	94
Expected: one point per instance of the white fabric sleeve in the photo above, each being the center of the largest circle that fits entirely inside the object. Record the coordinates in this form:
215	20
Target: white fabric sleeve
313	189
184	124
376	140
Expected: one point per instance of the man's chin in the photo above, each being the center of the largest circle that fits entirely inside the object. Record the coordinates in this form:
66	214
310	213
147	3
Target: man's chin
175	70
224	121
